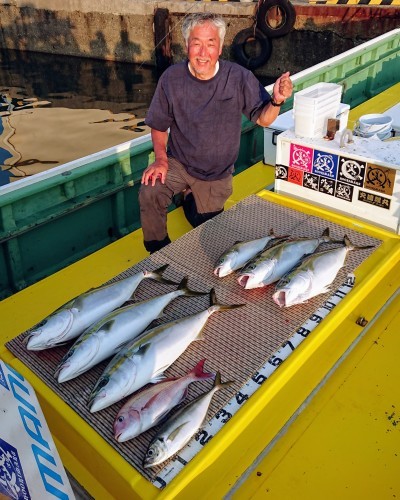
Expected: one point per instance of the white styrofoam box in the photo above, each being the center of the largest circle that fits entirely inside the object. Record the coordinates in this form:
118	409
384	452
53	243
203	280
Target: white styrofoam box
313	106
284	122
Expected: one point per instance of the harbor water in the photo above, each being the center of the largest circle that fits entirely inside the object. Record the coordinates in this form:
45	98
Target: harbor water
55	109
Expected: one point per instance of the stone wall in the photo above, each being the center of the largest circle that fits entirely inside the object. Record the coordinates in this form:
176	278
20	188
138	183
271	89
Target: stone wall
122	30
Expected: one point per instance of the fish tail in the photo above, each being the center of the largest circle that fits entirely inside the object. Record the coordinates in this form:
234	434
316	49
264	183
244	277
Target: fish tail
199	373
350	246
221	385
216	306
183	285
157	275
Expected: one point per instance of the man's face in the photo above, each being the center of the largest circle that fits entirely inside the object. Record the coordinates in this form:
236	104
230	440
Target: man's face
204	49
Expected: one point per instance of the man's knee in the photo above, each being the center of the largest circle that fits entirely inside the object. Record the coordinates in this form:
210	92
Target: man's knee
192	215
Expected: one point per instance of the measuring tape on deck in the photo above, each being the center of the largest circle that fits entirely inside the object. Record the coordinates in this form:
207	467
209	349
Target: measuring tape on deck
216	423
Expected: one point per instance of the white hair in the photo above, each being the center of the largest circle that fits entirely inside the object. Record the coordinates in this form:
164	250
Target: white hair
199	18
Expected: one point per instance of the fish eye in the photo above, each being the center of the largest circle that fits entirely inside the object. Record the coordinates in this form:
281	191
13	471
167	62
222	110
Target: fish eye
150	452
121	418
70	353
41	324
103	382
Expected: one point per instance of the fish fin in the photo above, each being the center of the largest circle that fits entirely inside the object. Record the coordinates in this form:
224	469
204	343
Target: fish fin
108	325
220	385
198	371
326	233
157	275
142	349
183	285
350	245
159	375
221	307
176	431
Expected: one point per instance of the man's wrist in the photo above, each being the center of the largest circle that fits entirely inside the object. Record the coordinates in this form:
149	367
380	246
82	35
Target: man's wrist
276	104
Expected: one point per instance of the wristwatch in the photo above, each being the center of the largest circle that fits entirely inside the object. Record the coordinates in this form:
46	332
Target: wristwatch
276	104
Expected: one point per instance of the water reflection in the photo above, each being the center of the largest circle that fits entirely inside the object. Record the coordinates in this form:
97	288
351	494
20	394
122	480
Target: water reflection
54	109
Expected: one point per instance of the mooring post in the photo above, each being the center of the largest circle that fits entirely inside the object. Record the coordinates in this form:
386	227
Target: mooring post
162	39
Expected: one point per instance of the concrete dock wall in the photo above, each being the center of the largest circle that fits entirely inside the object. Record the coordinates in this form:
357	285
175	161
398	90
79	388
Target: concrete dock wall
123	30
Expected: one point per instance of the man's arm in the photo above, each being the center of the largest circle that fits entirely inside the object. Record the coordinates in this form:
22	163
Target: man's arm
282	90
158	169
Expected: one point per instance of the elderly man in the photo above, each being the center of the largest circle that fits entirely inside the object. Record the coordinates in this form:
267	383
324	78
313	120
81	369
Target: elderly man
201	102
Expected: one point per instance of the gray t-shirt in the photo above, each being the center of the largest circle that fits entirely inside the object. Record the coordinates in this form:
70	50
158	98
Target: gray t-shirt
205	116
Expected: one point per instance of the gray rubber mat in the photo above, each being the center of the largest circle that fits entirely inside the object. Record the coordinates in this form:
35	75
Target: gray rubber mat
236	342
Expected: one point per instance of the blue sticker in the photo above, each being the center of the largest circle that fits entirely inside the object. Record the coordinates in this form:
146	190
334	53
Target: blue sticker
325	164
12	479
3	380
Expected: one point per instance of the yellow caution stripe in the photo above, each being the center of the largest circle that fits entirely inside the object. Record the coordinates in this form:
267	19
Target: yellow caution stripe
356	2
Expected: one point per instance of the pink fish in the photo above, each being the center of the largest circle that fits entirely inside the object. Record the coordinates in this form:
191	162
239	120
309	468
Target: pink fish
146	408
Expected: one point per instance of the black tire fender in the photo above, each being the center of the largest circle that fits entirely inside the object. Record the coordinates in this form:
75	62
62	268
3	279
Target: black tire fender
276	17
242	54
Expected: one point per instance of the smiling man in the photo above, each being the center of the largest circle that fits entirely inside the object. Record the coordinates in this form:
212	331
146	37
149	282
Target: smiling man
195	119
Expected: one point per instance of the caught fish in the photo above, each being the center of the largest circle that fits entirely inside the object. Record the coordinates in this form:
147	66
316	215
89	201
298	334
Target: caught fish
107	336
276	261
148	407
312	276
74	317
241	253
178	430
146	358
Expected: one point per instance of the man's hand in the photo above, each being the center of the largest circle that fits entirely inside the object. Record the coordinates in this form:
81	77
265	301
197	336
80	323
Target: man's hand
283	88
157	170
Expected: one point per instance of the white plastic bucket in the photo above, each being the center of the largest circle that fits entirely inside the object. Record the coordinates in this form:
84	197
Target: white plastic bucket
374	124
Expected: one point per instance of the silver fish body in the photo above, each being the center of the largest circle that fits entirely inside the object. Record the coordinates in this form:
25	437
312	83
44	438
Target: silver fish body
312	276
276	261
147	408
74	317
181	427
104	339
241	253
146	358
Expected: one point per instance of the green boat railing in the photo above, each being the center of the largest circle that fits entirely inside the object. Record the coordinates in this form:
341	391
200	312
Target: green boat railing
55	218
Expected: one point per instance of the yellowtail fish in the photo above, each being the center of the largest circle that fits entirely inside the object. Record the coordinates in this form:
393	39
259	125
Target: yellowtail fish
181	427
147	408
74	317
107	336
146	358
241	253
277	260
312	276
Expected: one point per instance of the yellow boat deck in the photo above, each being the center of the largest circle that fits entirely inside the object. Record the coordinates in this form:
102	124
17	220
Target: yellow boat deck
343	442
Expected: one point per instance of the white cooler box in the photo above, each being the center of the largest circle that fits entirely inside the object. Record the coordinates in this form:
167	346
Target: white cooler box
284	122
